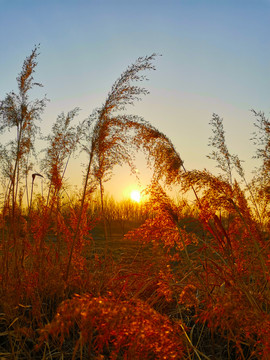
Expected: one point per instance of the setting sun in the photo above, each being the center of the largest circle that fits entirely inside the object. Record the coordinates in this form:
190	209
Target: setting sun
135	195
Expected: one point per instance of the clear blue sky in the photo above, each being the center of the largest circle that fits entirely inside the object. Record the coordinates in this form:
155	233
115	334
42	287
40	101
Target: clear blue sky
215	58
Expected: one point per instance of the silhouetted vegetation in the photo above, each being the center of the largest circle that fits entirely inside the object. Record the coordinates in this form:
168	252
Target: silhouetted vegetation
83	276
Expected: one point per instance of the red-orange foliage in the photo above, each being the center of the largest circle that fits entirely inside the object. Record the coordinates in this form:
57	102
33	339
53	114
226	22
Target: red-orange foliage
217	274
130	328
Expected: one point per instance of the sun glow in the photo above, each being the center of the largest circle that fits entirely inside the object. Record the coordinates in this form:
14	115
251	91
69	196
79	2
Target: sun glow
135	195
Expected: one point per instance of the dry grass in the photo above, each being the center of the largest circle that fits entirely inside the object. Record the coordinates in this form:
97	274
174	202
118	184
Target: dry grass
171	282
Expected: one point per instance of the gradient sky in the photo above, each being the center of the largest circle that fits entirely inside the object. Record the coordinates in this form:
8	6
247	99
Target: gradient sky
215	59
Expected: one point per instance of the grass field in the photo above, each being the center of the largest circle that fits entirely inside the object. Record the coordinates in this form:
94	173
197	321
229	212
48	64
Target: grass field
82	277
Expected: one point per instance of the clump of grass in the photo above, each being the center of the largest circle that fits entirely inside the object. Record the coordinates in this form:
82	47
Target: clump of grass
223	273
131	329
